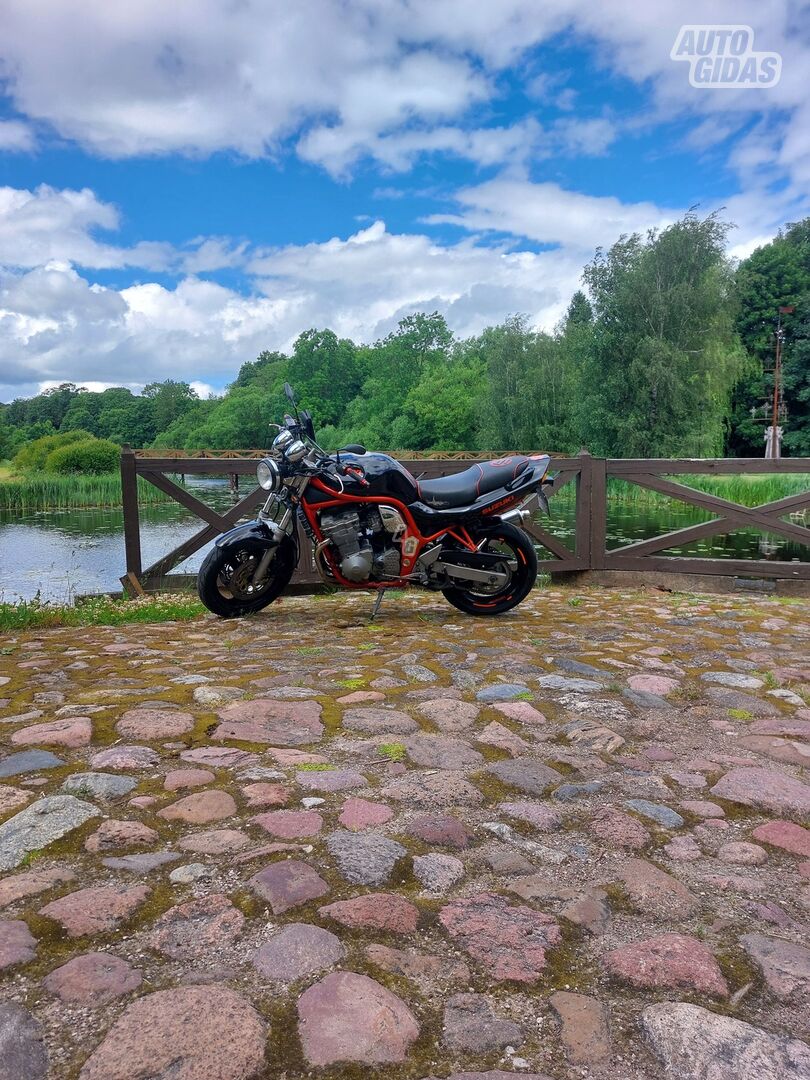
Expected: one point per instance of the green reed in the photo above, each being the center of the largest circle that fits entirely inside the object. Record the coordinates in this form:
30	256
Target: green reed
747	490
75	491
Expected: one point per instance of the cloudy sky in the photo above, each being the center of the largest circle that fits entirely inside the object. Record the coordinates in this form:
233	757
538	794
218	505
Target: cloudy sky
184	184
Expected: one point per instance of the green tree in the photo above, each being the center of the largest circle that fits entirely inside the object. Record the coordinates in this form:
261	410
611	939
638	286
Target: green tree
267	369
88	456
657	380
240	420
170	399
34	455
324	374
441	411
775	275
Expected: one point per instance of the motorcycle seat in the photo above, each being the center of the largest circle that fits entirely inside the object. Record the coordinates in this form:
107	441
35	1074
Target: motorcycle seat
463	488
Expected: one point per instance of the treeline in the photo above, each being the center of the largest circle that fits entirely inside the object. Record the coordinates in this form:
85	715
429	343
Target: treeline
668	354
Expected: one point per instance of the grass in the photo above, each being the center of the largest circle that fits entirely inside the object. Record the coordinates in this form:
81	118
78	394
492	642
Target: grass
394	751
740	714
99	611
50	491
747	490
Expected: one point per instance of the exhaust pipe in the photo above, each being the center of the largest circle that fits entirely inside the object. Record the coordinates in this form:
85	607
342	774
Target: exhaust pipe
519	516
516	517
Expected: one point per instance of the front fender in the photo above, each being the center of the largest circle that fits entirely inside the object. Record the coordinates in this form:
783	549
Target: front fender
266	532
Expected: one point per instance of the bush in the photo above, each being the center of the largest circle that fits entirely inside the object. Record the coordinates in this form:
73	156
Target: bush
33	455
90	456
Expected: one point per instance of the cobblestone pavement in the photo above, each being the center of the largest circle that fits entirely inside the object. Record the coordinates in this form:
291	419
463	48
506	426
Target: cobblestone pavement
564	843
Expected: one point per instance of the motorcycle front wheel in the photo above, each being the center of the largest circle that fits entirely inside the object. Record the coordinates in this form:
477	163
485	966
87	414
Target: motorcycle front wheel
225	585
519	563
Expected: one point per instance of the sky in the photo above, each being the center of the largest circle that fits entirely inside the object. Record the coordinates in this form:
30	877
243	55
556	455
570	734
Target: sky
185	184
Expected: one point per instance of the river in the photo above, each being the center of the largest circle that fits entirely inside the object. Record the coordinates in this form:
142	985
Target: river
57	555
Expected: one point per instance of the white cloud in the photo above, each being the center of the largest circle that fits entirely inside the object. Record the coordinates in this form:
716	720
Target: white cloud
57	325
549	214
359	78
46	224
15	135
339	148
39	226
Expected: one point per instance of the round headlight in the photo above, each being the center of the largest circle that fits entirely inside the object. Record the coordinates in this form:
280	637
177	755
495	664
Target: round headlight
283	440
296	450
268	474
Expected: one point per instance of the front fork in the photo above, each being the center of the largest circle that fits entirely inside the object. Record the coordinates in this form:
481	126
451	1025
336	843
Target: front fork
282	526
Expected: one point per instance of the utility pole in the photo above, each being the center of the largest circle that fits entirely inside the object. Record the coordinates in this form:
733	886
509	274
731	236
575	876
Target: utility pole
773	434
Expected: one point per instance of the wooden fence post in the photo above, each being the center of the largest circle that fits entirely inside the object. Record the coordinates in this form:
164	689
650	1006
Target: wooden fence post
598	513
132	520
583	482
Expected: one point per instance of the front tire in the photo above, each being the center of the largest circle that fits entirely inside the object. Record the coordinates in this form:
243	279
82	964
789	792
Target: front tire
520	559
224	585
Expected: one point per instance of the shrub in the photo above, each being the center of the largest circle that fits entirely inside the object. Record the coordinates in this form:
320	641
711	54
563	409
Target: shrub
32	456
90	456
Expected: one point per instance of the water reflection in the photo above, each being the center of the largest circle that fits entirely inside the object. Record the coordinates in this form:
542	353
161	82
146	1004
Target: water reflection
629	521
62	553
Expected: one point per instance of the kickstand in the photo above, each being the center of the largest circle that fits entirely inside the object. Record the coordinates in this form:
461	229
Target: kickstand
378	599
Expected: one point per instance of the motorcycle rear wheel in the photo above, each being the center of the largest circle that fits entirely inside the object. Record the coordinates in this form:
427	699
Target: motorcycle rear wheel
224	585
520	559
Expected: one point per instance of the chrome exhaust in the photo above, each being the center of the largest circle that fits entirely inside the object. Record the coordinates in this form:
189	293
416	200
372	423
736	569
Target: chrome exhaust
516	517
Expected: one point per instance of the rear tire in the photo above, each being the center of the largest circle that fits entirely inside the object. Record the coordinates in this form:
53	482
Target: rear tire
505	538
223	580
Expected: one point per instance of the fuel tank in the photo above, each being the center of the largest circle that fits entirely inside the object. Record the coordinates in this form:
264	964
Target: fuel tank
386	478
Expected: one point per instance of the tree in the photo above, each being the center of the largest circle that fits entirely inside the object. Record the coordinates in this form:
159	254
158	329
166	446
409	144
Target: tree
775	275
241	420
580	312
657	379
323	371
170	400
267	368
441	410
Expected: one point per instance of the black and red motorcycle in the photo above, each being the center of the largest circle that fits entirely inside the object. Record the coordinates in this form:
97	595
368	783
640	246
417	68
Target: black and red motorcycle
373	526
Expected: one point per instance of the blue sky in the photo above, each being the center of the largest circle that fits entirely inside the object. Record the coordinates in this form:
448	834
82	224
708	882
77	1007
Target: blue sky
184	185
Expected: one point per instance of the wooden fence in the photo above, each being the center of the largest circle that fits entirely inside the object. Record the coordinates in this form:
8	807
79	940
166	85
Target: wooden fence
589	475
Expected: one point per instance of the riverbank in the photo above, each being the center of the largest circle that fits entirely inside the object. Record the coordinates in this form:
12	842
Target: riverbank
49	491
279	817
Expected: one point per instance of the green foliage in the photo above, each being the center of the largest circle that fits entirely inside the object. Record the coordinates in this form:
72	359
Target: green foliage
170	400
90	456
775	275
50	491
665	355
34	455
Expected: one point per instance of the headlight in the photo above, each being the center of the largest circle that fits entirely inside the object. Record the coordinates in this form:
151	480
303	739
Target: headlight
268	474
283	440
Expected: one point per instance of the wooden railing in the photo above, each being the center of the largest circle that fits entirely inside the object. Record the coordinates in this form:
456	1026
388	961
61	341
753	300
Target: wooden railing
589	476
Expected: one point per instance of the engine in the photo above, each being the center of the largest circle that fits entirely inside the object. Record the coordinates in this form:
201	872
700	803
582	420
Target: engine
366	541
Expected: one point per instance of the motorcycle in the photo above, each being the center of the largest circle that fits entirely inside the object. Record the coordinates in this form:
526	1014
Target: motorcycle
374	526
